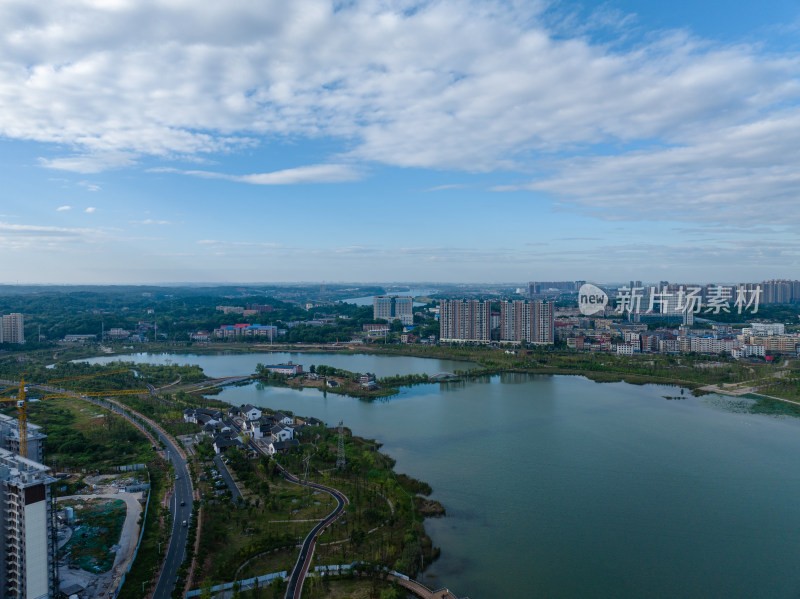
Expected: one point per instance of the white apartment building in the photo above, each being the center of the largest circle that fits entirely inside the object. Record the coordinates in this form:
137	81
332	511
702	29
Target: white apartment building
12	328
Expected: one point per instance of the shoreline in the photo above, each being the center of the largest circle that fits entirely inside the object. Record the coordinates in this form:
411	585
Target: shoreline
436	352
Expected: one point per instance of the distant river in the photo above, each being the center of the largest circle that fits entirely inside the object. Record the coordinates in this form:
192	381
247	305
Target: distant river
366	300
556	486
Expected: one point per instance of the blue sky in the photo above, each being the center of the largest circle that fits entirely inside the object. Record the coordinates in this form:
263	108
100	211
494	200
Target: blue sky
149	141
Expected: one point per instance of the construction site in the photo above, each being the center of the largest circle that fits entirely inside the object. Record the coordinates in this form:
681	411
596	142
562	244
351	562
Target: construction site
97	533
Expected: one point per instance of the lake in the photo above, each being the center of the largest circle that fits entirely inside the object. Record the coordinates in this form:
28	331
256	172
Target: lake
557	486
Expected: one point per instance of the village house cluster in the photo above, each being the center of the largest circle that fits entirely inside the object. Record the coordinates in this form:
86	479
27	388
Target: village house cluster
273	431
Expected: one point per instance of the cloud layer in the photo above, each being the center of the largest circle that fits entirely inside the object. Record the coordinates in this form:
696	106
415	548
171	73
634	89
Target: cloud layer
666	125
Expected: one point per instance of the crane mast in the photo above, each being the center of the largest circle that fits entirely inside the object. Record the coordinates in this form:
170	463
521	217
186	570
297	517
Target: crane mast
22	415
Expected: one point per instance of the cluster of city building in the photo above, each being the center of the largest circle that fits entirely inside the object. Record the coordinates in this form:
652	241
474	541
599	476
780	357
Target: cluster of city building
142	332
628	338
474	321
776	291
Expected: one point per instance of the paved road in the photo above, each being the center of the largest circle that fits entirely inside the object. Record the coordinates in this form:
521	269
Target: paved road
176	547
295	588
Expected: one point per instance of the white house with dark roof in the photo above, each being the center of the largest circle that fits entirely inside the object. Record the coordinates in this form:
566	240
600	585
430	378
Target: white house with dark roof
281	446
247	412
216	428
281	432
223	443
258	429
202	416
282	418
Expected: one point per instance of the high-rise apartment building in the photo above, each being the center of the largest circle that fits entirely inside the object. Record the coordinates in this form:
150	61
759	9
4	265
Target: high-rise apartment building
465	320
515	321
543	322
26	554
779	291
394	307
532	322
11	328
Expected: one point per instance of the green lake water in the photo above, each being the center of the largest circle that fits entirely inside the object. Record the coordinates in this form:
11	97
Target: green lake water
557	486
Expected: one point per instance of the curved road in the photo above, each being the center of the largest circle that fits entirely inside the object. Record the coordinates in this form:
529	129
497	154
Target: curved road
176	547
295	587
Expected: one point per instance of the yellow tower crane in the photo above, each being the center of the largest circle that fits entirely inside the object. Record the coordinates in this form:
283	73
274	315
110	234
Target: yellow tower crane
22	401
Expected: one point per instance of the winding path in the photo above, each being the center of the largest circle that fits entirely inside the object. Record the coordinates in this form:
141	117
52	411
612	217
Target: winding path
294	590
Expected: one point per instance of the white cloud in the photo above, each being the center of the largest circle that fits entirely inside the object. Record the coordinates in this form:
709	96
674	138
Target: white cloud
43	237
470	85
63	208
316	173
726	177
90	163
89	186
448	186
150	221
90	209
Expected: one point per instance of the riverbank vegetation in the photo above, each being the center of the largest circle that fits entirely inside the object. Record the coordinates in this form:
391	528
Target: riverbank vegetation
690	369
381	525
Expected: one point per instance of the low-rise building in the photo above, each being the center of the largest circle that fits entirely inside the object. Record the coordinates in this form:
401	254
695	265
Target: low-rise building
245	330
117	333
224	442
281	432
202	416
289	369
281	418
763	329
80	338
245	412
747	350
282	446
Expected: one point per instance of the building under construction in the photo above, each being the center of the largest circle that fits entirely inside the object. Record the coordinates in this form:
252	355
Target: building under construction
9	438
26	554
